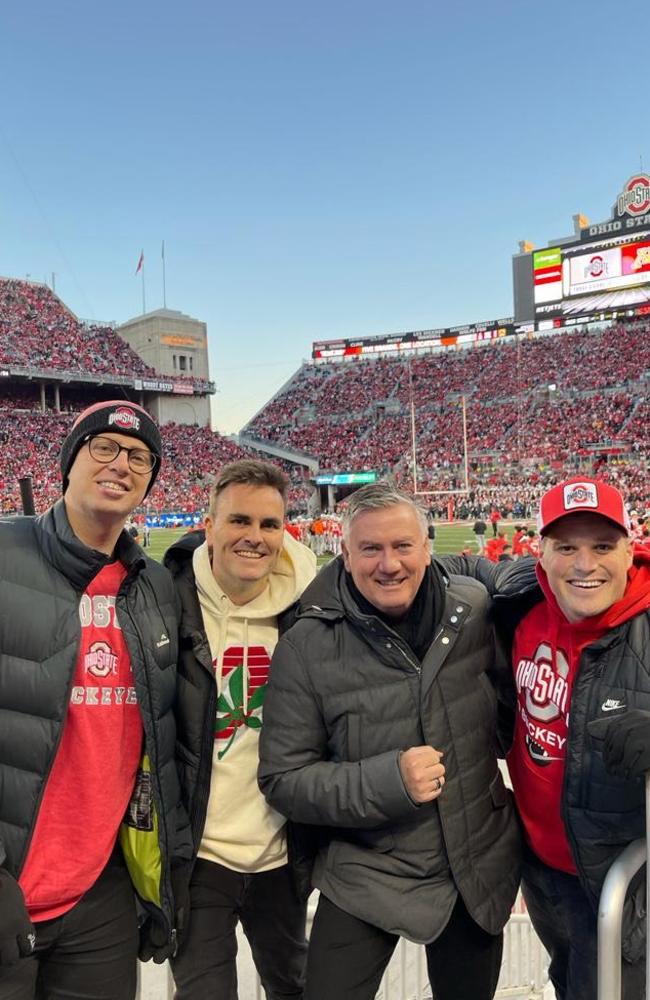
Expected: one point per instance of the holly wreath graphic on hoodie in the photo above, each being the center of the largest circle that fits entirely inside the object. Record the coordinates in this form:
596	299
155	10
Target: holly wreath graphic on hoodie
242	831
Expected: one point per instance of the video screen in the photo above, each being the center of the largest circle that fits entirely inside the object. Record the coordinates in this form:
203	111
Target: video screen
592	280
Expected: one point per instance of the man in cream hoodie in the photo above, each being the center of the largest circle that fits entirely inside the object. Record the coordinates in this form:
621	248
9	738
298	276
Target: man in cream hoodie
237	583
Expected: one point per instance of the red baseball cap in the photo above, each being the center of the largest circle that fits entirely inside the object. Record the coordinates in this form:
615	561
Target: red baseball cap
575	496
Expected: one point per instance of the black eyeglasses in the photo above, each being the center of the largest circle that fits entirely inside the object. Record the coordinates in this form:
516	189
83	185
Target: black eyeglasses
104	450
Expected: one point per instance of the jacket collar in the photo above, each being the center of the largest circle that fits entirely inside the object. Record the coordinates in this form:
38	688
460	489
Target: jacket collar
76	561
329	597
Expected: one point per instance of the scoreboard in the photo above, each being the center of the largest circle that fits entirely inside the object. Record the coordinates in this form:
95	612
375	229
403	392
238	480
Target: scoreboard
597	280
602	272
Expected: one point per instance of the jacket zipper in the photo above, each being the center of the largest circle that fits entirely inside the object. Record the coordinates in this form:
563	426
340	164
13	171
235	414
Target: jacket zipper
162	824
567	825
396	640
191	612
416	666
199	812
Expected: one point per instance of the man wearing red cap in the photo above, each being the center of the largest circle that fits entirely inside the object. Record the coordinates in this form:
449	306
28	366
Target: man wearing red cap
90	814
581	666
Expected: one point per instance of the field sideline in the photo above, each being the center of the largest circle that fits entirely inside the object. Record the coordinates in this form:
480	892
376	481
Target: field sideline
450	538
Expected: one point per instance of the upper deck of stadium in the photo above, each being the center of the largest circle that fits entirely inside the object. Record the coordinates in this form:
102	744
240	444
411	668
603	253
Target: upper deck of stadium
534	406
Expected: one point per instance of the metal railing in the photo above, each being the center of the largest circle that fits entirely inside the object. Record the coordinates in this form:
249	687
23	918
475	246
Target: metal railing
610	911
523	969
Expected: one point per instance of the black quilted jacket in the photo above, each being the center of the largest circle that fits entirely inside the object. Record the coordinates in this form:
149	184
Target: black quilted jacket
602	814
44	570
346	695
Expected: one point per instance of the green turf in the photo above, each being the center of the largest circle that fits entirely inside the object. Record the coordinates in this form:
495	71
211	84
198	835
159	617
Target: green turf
161	539
450	538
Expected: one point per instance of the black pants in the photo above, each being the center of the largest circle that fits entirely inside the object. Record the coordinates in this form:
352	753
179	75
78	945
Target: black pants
273	919
567	926
89	953
347	957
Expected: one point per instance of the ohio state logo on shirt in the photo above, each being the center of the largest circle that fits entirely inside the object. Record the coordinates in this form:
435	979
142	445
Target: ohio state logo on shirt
100	660
236	710
543	703
125	417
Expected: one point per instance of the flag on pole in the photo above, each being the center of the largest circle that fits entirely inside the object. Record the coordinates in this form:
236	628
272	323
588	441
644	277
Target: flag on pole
140	263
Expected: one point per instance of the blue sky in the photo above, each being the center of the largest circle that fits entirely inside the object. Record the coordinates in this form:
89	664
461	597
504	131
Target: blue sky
316	170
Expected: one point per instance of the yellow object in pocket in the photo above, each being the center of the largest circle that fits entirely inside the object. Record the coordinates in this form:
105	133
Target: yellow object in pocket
139	837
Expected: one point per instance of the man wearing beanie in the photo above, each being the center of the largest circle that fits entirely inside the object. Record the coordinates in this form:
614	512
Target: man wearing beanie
578	624
91	824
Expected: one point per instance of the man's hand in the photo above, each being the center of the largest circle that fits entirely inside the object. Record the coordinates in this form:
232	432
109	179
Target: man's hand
155	942
17	937
626	749
422	773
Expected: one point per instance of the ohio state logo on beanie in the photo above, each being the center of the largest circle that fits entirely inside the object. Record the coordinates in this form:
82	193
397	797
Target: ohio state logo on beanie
117	416
125	418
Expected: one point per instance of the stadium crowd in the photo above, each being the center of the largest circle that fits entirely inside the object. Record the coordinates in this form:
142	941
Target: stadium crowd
38	331
535	410
555	402
31	440
575	362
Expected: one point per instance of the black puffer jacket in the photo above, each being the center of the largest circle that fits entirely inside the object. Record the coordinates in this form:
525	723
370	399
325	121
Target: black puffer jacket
602	814
346	695
44	569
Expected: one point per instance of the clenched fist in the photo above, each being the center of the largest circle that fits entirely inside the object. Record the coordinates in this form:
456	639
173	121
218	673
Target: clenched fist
422	773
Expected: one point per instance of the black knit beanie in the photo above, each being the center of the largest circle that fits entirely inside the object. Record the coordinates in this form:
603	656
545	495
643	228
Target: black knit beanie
119	417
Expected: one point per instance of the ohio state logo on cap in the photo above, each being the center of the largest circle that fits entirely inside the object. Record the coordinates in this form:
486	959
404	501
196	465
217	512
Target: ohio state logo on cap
125	417
580	495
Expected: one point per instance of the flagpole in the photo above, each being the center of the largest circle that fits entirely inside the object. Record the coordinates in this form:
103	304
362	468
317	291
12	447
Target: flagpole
140	268
164	287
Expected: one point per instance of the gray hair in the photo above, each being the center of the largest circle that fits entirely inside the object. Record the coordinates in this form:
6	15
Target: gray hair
378	496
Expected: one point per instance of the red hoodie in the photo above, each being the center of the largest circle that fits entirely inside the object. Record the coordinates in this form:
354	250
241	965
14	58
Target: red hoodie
545	658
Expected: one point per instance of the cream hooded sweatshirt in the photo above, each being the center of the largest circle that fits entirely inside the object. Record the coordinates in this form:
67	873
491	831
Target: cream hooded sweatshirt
241	831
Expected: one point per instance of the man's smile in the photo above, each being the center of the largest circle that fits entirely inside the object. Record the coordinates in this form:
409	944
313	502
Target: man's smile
110	485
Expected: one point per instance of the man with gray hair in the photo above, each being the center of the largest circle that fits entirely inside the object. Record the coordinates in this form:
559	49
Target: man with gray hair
380	731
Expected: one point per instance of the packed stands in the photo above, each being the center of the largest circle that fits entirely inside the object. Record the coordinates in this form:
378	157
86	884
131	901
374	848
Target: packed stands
30	442
38	332
535	410
552	404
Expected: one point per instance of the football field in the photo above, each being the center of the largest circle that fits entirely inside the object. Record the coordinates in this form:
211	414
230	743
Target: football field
450	538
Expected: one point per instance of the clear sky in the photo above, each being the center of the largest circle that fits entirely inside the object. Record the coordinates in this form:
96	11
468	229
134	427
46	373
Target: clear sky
317	170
